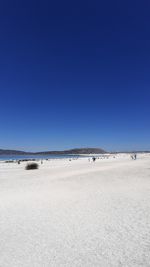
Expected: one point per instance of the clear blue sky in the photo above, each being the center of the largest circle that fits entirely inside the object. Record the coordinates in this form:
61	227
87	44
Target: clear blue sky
74	74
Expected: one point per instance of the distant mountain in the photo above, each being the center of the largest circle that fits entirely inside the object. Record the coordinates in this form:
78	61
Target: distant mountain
71	151
75	151
11	152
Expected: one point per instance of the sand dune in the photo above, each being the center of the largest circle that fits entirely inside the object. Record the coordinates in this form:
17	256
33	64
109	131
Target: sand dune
76	213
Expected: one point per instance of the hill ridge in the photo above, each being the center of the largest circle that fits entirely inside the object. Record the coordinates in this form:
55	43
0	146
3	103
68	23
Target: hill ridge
69	151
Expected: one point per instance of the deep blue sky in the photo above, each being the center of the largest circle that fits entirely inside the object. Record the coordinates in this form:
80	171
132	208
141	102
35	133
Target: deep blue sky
74	74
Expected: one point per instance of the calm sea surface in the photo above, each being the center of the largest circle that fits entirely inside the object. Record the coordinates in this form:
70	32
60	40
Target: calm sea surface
19	157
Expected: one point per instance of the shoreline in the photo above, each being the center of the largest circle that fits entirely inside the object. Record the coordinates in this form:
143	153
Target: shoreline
47	157
72	157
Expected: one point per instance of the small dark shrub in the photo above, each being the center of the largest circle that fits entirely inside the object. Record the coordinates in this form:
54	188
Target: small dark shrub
32	166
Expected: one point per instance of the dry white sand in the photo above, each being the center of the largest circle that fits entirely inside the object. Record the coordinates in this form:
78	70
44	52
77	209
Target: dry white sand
76	213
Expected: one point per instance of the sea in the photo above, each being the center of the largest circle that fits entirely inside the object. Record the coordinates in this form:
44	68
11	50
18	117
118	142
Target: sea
35	157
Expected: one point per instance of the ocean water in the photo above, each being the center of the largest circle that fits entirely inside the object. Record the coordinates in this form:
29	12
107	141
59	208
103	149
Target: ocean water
21	157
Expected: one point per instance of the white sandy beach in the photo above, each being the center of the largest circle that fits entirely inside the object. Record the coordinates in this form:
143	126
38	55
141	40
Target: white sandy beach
76	213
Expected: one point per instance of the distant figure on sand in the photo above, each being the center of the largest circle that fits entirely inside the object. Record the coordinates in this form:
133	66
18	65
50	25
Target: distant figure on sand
134	157
94	159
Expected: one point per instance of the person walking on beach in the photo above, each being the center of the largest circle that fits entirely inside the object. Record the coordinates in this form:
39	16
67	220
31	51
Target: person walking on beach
134	156
94	159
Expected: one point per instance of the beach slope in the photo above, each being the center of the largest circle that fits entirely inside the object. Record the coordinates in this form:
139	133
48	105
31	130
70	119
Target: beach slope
76	213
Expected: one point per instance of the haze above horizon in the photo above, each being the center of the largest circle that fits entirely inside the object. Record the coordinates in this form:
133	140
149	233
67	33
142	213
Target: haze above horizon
74	74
